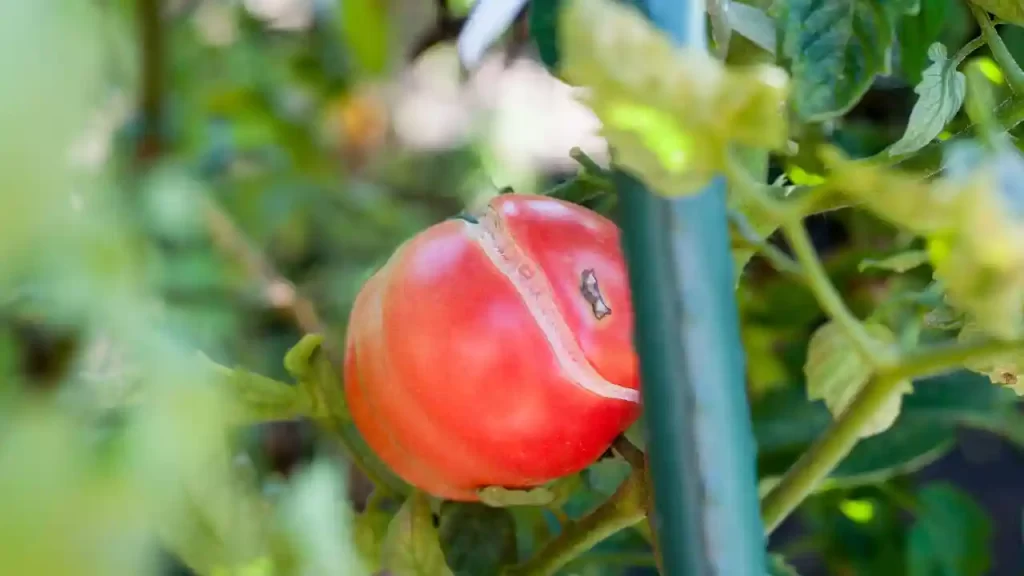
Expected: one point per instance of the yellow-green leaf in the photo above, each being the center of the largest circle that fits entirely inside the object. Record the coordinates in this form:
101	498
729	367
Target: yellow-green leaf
836	372
412	546
669	114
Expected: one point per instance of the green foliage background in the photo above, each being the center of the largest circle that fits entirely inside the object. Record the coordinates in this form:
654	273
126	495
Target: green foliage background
173	172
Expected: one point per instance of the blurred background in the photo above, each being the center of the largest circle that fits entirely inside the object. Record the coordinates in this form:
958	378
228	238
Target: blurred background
180	176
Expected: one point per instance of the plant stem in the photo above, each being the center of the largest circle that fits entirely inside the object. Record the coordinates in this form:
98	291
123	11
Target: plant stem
1013	72
624	509
775	256
837	442
826	453
828	297
814	272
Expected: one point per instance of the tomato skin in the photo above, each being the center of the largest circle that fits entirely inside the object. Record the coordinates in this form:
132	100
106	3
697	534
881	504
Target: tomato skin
475	357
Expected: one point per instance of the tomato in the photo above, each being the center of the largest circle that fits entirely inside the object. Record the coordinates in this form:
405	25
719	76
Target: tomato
495	350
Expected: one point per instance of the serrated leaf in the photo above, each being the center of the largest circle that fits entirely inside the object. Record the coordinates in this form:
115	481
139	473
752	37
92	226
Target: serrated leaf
940	94
837	47
951	534
1010	10
901	262
669	114
477	540
412	545
836	372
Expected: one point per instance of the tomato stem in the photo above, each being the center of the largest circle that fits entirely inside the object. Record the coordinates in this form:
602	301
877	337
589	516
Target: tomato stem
624	509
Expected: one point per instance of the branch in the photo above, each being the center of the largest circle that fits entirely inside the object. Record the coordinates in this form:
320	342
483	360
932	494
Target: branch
837	442
1014	75
624	509
281	294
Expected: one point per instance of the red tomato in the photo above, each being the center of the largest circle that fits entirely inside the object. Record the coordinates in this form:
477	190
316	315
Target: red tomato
497	352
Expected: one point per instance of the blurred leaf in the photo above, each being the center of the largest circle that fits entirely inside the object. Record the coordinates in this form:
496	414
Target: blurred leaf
951	534
477	540
900	262
1010	10
785	424
315	523
365	26
777	566
412	546
752	23
836	373
940	94
837	48
669	113
543	21
501	497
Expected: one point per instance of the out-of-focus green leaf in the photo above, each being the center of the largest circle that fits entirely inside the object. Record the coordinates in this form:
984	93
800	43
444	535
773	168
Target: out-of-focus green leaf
777	566
939	97
1009	10
837	48
314	524
412	546
669	114
836	372
477	540
365	26
900	262
951	534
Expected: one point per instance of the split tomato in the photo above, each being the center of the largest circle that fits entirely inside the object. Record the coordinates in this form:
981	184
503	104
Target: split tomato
495	349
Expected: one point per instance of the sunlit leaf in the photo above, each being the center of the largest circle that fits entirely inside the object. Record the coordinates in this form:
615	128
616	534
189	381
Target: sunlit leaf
669	114
940	94
900	262
836	372
1010	10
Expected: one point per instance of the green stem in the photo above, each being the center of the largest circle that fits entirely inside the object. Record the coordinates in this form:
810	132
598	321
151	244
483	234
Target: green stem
624	509
814	273
828	297
1013	72
837	442
778	259
826	453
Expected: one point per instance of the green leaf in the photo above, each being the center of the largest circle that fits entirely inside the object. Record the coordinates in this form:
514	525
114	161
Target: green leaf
364	25
543	21
939	98
901	262
916	35
835	372
1010	10
477	540
1006	370
952	535
837	47
412	546
777	566
669	114
501	497
752	23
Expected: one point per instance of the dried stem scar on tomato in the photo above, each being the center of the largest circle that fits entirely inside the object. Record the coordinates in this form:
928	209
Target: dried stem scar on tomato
496	350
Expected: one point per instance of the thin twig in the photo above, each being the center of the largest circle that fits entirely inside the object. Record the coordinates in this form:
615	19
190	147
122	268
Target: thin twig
629	452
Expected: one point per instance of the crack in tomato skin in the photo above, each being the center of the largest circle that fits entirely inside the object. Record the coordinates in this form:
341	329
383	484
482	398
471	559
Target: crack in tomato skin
470	374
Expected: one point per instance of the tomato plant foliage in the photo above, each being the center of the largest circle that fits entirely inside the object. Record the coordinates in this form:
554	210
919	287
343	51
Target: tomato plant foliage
250	325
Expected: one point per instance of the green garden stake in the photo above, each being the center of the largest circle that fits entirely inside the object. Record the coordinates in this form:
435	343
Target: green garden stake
700	440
